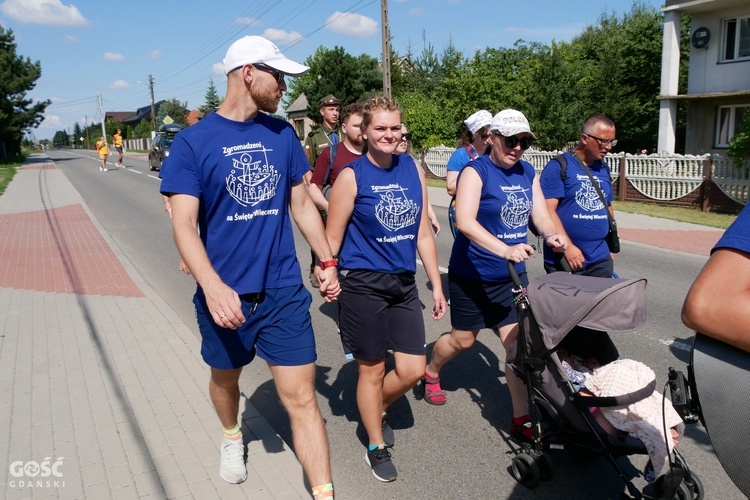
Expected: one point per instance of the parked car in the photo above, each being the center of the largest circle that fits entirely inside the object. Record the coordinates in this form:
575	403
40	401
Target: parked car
161	144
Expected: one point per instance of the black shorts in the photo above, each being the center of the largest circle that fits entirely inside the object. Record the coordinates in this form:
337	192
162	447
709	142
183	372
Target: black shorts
476	304
379	311
119	149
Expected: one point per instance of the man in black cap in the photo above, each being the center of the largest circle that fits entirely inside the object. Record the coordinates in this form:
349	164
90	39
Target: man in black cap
324	136
327	134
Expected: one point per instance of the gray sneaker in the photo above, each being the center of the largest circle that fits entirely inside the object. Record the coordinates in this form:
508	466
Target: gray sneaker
379	460
232	467
388	438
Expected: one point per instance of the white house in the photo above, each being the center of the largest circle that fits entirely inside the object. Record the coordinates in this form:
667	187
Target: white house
718	90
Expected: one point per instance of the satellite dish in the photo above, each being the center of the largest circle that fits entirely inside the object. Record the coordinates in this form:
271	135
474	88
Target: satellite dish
700	38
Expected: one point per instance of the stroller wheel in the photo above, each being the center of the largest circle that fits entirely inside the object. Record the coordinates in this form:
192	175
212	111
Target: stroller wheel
546	467
525	470
696	486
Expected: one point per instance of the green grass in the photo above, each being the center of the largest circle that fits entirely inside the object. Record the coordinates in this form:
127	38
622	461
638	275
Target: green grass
8	169
681	214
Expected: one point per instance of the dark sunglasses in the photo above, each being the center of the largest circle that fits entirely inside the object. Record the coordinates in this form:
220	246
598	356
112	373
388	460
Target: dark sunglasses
406	136
278	76
484	136
513	141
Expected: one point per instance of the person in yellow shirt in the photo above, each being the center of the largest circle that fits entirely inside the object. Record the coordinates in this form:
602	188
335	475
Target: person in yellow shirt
117	139
103	149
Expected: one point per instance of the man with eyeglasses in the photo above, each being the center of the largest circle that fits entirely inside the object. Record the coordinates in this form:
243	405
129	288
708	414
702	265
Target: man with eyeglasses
575	204
237	175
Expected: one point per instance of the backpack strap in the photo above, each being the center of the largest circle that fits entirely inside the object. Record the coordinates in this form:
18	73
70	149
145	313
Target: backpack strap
563	165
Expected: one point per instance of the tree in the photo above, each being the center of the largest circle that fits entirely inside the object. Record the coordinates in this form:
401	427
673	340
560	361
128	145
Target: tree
175	109
334	71
739	145
143	129
17	77
213	101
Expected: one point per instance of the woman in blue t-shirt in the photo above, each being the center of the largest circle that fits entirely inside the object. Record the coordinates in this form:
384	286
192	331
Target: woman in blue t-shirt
495	199
377	224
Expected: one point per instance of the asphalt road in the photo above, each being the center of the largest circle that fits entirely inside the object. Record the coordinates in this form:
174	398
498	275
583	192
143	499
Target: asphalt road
459	450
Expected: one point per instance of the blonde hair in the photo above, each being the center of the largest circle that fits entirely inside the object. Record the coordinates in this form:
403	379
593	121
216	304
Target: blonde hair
376	104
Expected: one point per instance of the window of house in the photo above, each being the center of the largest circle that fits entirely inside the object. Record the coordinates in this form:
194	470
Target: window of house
729	124
736	39
299	127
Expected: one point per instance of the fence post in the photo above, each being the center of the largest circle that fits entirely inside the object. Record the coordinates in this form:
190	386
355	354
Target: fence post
623	177
706	186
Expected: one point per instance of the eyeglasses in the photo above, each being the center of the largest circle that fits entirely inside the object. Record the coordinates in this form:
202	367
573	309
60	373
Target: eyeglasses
513	141
484	136
406	136
603	142
279	76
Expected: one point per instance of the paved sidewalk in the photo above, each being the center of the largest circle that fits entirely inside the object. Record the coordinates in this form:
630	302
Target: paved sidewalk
98	375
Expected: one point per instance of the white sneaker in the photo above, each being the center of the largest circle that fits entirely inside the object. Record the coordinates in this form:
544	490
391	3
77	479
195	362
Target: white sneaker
101	169
232	467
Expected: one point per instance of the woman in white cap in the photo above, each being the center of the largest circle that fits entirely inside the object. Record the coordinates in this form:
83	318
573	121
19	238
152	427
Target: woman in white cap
474	143
494	202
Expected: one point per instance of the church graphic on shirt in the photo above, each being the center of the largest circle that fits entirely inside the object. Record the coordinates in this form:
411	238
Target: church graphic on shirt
395	211
252	179
517	209
587	198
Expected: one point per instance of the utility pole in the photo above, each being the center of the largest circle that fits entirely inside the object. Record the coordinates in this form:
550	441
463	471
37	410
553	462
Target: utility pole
153	107
86	123
101	112
386	48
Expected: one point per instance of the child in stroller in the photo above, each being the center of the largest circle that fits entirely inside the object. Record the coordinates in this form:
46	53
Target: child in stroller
577	314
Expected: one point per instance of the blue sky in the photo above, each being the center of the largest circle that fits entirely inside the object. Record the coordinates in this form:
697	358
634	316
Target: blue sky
87	48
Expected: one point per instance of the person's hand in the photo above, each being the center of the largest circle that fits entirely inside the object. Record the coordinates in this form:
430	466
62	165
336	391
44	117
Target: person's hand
518	253
574	257
557	242
329	282
435	225
224	305
438	310
184	268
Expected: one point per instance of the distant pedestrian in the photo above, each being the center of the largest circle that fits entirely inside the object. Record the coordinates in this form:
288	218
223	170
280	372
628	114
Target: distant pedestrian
102	148
574	200
237	175
117	139
405	147
475	142
377	223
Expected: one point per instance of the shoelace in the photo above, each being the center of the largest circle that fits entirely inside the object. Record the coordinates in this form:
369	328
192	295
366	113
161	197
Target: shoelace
231	458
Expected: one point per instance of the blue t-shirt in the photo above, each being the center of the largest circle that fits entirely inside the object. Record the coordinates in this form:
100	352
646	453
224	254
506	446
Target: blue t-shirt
504	210
242	173
737	235
382	232
581	211
458	160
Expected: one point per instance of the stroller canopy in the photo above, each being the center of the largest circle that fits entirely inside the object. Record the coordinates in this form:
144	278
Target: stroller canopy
562	301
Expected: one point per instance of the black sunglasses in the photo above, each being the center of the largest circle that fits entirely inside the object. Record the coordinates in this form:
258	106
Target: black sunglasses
513	141
278	75
406	136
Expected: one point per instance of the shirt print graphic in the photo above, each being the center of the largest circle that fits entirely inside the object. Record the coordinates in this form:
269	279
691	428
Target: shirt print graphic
395	210
587	197
517	208
252	179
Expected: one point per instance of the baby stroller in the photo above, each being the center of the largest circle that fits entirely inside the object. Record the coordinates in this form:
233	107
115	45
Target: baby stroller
576	313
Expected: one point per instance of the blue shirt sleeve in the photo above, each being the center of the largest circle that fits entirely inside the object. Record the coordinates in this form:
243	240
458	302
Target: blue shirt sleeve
550	181
737	236
180	171
458	160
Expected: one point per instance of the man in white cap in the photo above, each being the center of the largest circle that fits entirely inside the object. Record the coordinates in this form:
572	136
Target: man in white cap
236	175
578	191
474	143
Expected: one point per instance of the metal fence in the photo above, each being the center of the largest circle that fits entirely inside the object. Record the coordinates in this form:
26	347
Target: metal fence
659	177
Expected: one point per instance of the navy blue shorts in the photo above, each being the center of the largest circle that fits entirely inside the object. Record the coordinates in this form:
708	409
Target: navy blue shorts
379	311
279	331
476	304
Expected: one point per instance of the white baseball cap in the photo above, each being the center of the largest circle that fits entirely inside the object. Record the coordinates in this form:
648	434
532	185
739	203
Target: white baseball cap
478	120
258	50
511	122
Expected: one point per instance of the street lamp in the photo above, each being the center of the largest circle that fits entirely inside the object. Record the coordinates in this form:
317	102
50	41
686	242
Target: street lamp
153	107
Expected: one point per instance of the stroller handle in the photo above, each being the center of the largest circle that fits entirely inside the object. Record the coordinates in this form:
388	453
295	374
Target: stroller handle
513	274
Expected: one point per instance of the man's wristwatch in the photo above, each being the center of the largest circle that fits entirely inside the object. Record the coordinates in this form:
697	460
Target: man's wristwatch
325	264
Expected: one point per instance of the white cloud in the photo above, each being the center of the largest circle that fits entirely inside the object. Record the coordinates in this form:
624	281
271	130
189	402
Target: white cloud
355	25
51	12
113	56
280	36
50	121
155	54
246	21
119	84
416	12
71	39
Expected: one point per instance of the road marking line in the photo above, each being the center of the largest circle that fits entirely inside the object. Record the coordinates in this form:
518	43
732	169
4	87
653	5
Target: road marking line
440	268
153	177
678	344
